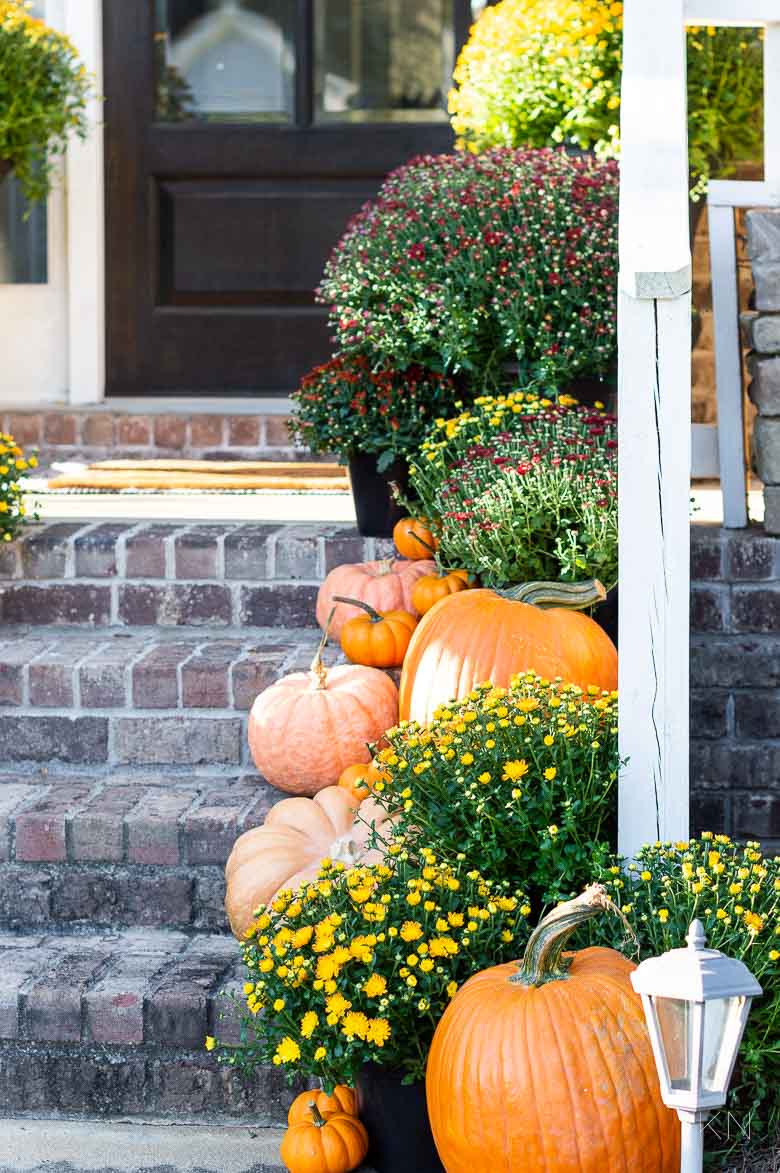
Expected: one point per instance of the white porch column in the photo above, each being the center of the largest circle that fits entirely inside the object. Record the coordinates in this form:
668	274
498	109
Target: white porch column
86	219
654	427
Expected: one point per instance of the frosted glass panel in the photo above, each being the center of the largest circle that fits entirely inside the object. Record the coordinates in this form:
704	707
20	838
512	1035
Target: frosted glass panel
22	241
230	60
382	60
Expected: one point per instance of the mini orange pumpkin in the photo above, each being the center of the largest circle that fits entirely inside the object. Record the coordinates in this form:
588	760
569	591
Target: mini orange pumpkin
559	1049
344	1099
413	539
308	727
333	1144
432	587
377	639
385	586
359	780
475	636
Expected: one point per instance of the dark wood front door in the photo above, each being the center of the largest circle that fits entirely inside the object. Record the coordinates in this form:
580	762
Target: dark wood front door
241	135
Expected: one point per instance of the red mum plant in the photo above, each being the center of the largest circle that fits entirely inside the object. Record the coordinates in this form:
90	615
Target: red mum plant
344	406
465	263
523	489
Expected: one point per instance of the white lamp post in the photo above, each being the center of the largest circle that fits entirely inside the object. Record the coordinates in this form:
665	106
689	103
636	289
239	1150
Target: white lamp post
696	1002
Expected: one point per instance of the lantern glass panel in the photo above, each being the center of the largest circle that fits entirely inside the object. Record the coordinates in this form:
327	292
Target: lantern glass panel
722	1034
676	1028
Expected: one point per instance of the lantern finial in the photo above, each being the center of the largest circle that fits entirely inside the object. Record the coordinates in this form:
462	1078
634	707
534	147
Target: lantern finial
696	938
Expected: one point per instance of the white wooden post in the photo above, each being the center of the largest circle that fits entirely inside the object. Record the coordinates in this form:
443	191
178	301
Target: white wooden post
654	426
86	219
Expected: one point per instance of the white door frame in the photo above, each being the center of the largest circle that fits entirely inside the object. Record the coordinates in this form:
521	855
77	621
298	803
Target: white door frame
83	22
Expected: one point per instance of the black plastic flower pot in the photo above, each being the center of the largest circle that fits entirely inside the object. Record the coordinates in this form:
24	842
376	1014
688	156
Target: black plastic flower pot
606	615
396	1118
375	509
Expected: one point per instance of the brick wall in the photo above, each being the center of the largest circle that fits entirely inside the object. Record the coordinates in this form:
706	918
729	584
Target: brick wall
735	683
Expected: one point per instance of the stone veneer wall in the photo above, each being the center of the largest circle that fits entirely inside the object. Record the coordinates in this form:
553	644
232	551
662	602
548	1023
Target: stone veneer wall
762	329
735	683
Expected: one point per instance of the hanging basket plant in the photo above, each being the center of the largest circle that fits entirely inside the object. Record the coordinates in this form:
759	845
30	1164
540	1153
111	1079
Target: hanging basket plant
44	90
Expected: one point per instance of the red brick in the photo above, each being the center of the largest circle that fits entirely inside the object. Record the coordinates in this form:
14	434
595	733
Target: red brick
134	430
277	434
155	676
153	827
114	1009
244	431
26	428
145	552
96	833
255	673
170	431
55	603
205	678
206	431
40	837
175	605
197	552
99	429
60	429
12	797
53	1005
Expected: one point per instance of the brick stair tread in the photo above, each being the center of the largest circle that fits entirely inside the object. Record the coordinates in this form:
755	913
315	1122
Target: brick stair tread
146	697
174	574
122	847
113	1023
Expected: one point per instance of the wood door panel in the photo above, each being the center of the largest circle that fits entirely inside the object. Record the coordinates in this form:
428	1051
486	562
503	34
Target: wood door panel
268	239
216	233
252	349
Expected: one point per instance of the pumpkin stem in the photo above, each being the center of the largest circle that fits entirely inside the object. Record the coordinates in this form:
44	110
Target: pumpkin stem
317	1118
411	534
319	672
384	566
542	961
574	596
374	615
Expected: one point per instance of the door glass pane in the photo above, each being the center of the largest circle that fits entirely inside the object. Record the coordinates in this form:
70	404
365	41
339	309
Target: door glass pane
382	60
229	60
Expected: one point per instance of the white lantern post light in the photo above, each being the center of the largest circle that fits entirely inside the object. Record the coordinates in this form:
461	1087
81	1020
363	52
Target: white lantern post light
696	1002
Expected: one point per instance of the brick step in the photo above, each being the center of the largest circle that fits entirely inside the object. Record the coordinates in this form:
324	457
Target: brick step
122	848
112	1024
174	574
100	434
139	697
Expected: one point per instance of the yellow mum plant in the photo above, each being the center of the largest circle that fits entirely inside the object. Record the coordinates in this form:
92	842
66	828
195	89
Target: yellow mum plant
358	966
540	72
14	467
43	96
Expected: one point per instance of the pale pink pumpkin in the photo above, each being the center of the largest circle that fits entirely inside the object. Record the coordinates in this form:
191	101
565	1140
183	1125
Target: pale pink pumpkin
308	727
385	585
286	851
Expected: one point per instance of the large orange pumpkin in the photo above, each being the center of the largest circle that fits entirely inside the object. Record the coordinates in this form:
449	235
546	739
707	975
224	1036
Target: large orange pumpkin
385	586
547	1066
336	1144
286	850
309	726
476	636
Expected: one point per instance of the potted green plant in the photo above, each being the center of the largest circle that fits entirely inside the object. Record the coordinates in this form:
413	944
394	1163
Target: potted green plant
348	978
43	97
15	465
373	420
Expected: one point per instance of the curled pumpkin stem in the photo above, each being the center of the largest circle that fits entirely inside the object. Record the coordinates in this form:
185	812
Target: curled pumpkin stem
317	1117
542	961
374	615
574	596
